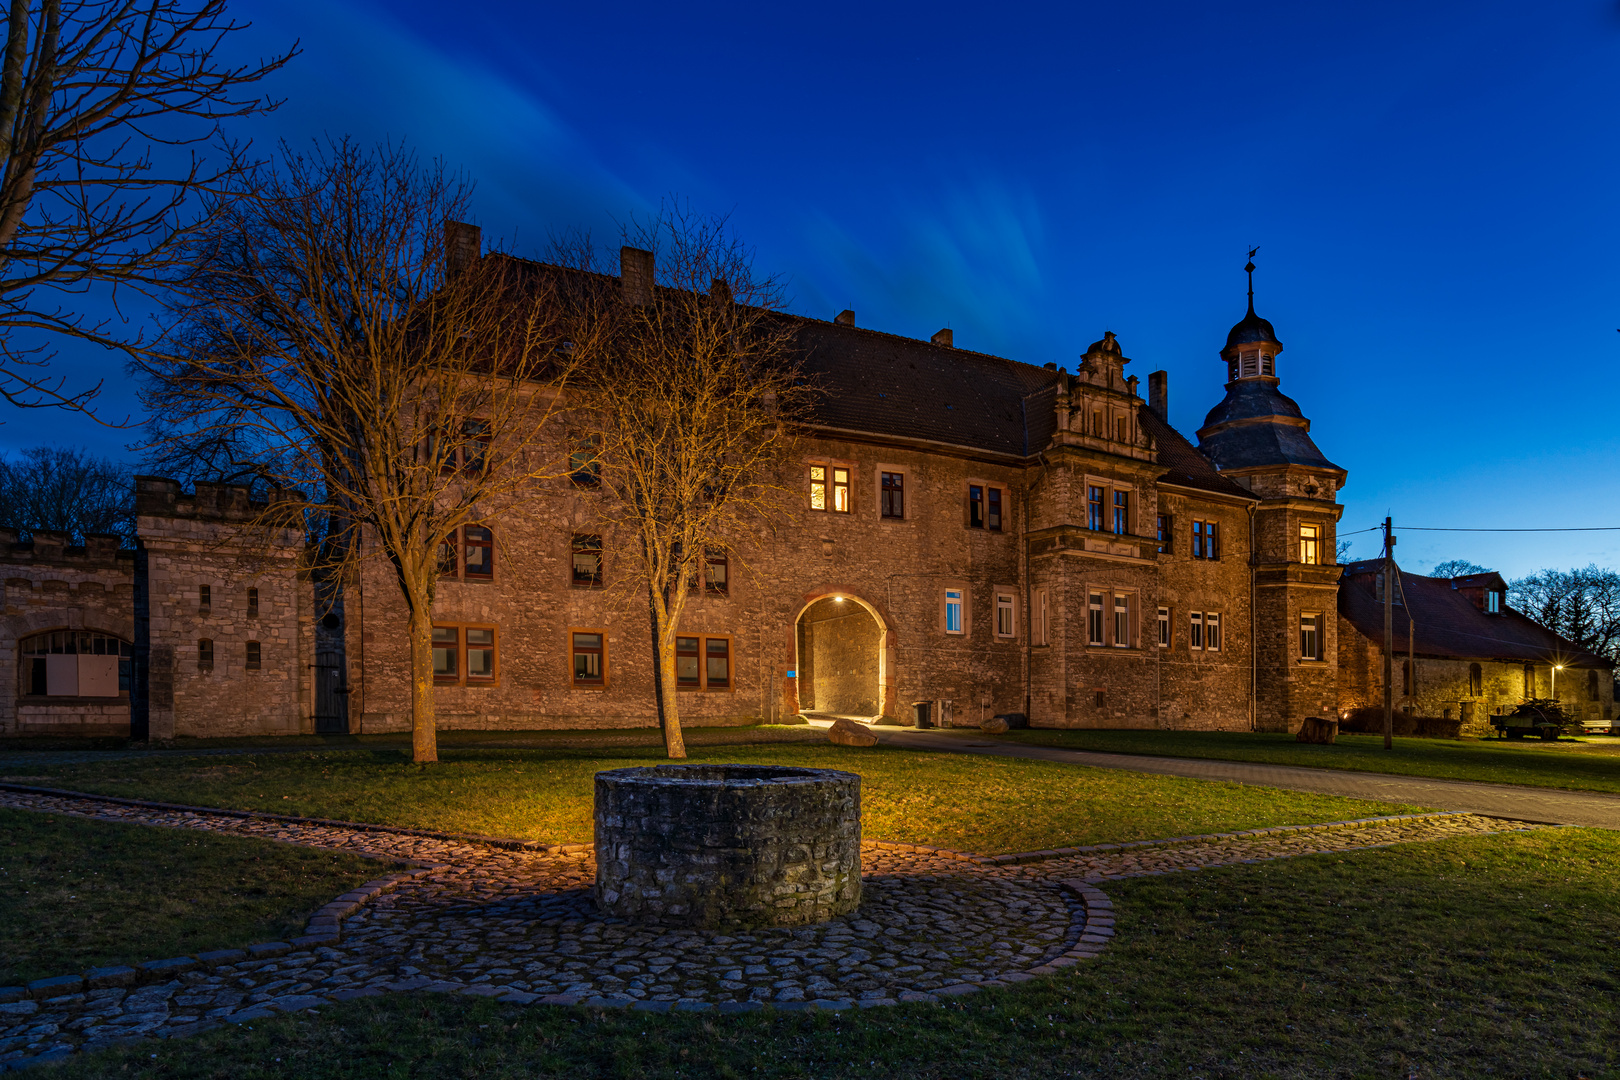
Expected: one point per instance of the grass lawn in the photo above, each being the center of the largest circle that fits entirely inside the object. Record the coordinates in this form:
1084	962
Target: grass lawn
76	894
981	804
1590	764
1485	956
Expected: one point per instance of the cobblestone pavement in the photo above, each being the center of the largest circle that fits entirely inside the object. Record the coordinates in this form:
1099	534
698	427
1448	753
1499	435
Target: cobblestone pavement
1550	805
519	925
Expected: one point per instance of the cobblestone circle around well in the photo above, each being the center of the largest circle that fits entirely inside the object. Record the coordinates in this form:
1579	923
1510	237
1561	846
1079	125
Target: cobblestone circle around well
520	926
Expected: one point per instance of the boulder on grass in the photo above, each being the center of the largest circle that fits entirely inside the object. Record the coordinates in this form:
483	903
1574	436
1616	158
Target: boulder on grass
1318	729
847	732
994	726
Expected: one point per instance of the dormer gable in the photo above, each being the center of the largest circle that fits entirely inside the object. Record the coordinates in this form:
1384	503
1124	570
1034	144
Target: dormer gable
1487	591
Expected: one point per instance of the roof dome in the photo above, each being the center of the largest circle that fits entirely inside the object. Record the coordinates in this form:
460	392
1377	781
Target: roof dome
1107	344
1252	329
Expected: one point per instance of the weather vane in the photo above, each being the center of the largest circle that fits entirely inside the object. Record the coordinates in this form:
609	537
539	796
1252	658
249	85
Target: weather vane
1249	269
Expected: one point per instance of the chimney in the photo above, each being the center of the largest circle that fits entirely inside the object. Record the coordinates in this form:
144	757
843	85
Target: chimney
845	318
636	276
1159	394
720	292
943	337
462	243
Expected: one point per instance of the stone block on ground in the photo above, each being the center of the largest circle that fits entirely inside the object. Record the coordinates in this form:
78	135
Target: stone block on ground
1317	729
996	725
849	733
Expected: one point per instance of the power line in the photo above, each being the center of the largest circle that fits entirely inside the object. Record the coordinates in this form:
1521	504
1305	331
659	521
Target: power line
1586	528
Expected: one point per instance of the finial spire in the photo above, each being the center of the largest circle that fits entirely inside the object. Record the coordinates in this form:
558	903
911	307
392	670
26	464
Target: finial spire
1249	269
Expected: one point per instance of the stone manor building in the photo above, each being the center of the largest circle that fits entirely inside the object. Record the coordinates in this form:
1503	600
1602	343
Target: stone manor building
977	536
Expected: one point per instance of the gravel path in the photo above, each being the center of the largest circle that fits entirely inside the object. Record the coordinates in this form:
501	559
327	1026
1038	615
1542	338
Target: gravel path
519	925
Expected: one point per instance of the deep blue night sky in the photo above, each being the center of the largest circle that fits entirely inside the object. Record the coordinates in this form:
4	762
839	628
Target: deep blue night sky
1432	188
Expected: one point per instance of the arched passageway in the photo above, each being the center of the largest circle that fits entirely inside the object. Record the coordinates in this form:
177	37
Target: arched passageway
840	664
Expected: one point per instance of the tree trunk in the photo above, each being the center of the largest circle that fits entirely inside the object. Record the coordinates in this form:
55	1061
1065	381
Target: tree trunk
674	742
424	731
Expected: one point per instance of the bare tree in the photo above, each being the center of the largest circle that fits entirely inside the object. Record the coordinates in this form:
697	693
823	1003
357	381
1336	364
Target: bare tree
688	415
341	339
1458	568
103	106
67	490
1582	605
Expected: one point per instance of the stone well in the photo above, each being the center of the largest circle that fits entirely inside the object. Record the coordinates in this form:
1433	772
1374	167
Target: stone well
728	846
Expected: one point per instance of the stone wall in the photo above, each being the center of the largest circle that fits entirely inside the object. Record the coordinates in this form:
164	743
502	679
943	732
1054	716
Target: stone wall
216	539
728	846
51	586
1442	687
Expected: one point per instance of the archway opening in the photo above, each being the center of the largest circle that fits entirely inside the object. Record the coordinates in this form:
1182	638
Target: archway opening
840	659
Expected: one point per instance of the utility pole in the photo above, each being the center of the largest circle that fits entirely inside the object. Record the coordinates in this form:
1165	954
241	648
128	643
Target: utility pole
1389	634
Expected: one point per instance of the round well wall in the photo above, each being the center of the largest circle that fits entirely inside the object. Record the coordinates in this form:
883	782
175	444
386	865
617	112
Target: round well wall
728	846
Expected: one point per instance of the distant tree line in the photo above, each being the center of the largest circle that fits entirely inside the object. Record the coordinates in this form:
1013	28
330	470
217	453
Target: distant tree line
63	489
1583	605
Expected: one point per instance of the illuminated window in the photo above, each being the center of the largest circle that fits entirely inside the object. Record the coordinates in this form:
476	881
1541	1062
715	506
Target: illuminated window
818	487
1095	501
894	495
480	654
1006	615
587	561
205	654
840	490
1094	619
1310	637
478	553
590	658
253	656
953	612
1164	628
446	654
1122	621
1308	535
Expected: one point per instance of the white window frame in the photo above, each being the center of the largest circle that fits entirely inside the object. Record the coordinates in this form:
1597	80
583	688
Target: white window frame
1212	631
1310	622
1006	614
956	598
1122	620
1195	630
1094	618
1164	628
1310	541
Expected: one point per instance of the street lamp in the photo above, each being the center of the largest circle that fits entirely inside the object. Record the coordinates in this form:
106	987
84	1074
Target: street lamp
1556	669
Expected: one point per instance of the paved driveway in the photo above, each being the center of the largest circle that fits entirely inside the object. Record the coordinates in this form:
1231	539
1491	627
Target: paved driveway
1501	800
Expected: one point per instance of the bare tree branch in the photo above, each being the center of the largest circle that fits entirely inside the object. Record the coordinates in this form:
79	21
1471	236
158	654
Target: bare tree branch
338	339
104	106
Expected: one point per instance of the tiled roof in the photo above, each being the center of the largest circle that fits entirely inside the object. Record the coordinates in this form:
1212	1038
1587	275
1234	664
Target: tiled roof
1448	624
1182	462
1251	440
890	385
